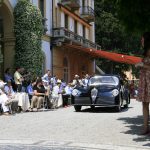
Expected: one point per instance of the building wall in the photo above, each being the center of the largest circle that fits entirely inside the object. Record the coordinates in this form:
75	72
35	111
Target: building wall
71	24
8	48
13	3
75	64
49	16
47	51
90	32
6	12
74	57
62	19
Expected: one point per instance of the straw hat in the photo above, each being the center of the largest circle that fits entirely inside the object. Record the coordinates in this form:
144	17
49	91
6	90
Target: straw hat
58	81
76	76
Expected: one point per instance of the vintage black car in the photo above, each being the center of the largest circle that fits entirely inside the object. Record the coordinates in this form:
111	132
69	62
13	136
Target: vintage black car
102	90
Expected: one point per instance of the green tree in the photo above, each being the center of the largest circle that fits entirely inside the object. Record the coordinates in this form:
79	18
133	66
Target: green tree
28	32
1	55
111	35
135	15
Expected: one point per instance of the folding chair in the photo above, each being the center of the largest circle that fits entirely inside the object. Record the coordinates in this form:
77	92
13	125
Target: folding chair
45	102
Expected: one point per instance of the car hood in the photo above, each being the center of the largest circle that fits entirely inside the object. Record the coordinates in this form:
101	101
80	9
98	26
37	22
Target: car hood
105	88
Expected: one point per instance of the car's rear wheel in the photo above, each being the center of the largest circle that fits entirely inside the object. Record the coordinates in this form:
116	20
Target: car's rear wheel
77	108
127	103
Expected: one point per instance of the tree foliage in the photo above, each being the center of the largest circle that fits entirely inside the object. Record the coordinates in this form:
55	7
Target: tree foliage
1	55
28	30
135	15
111	35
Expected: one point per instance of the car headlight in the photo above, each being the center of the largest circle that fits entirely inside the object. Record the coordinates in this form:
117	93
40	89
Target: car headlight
115	92
76	92
94	93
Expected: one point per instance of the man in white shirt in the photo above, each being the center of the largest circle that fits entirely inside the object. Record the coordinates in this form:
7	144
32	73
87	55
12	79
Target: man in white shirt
12	96
55	94
47	76
68	92
18	79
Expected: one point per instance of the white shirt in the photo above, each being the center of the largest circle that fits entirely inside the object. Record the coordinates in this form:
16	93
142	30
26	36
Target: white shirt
55	91
9	90
45	77
68	90
17	77
77	83
85	82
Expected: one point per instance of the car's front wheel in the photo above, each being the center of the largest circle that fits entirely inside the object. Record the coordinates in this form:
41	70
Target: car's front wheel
77	108
92	107
118	108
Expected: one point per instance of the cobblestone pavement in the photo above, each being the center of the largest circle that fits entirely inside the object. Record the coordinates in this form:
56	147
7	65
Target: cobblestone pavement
64	129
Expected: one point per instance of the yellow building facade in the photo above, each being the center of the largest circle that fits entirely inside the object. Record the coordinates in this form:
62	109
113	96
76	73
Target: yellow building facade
73	24
69	22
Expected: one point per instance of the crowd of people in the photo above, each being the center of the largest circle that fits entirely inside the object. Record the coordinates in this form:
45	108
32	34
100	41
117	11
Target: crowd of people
19	93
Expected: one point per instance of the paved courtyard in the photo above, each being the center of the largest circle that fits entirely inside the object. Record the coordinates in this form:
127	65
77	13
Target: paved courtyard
65	129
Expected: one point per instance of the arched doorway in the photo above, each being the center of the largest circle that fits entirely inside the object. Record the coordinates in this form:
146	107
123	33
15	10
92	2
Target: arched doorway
7	40
65	66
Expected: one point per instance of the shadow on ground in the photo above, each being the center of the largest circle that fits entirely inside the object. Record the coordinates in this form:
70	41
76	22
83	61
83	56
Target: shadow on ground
135	126
103	110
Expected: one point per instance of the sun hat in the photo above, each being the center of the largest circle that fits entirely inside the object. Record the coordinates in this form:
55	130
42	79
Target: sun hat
58	81
76	76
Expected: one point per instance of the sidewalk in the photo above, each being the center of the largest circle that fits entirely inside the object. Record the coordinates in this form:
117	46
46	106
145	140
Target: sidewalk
52	145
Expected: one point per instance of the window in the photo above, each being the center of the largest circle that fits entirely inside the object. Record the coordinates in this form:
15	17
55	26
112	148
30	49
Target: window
41	6
75	26
66	21
65	64
56	18
83	31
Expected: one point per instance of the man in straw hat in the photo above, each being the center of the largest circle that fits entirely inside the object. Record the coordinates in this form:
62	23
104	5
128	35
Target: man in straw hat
77	81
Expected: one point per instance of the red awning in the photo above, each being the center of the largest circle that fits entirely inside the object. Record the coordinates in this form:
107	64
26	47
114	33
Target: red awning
121	58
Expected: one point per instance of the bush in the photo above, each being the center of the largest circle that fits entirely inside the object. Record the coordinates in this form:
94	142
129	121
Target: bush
28	30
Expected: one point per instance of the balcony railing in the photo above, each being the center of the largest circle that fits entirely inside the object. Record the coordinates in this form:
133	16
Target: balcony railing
87	13
73	4
61	35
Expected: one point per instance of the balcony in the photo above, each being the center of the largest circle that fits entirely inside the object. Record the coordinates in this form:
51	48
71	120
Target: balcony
72	4
62	35
87	13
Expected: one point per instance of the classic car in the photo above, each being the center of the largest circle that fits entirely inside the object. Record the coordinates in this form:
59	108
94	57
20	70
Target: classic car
102	90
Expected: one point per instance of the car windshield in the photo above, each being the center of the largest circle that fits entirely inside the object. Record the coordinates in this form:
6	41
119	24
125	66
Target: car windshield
104	80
